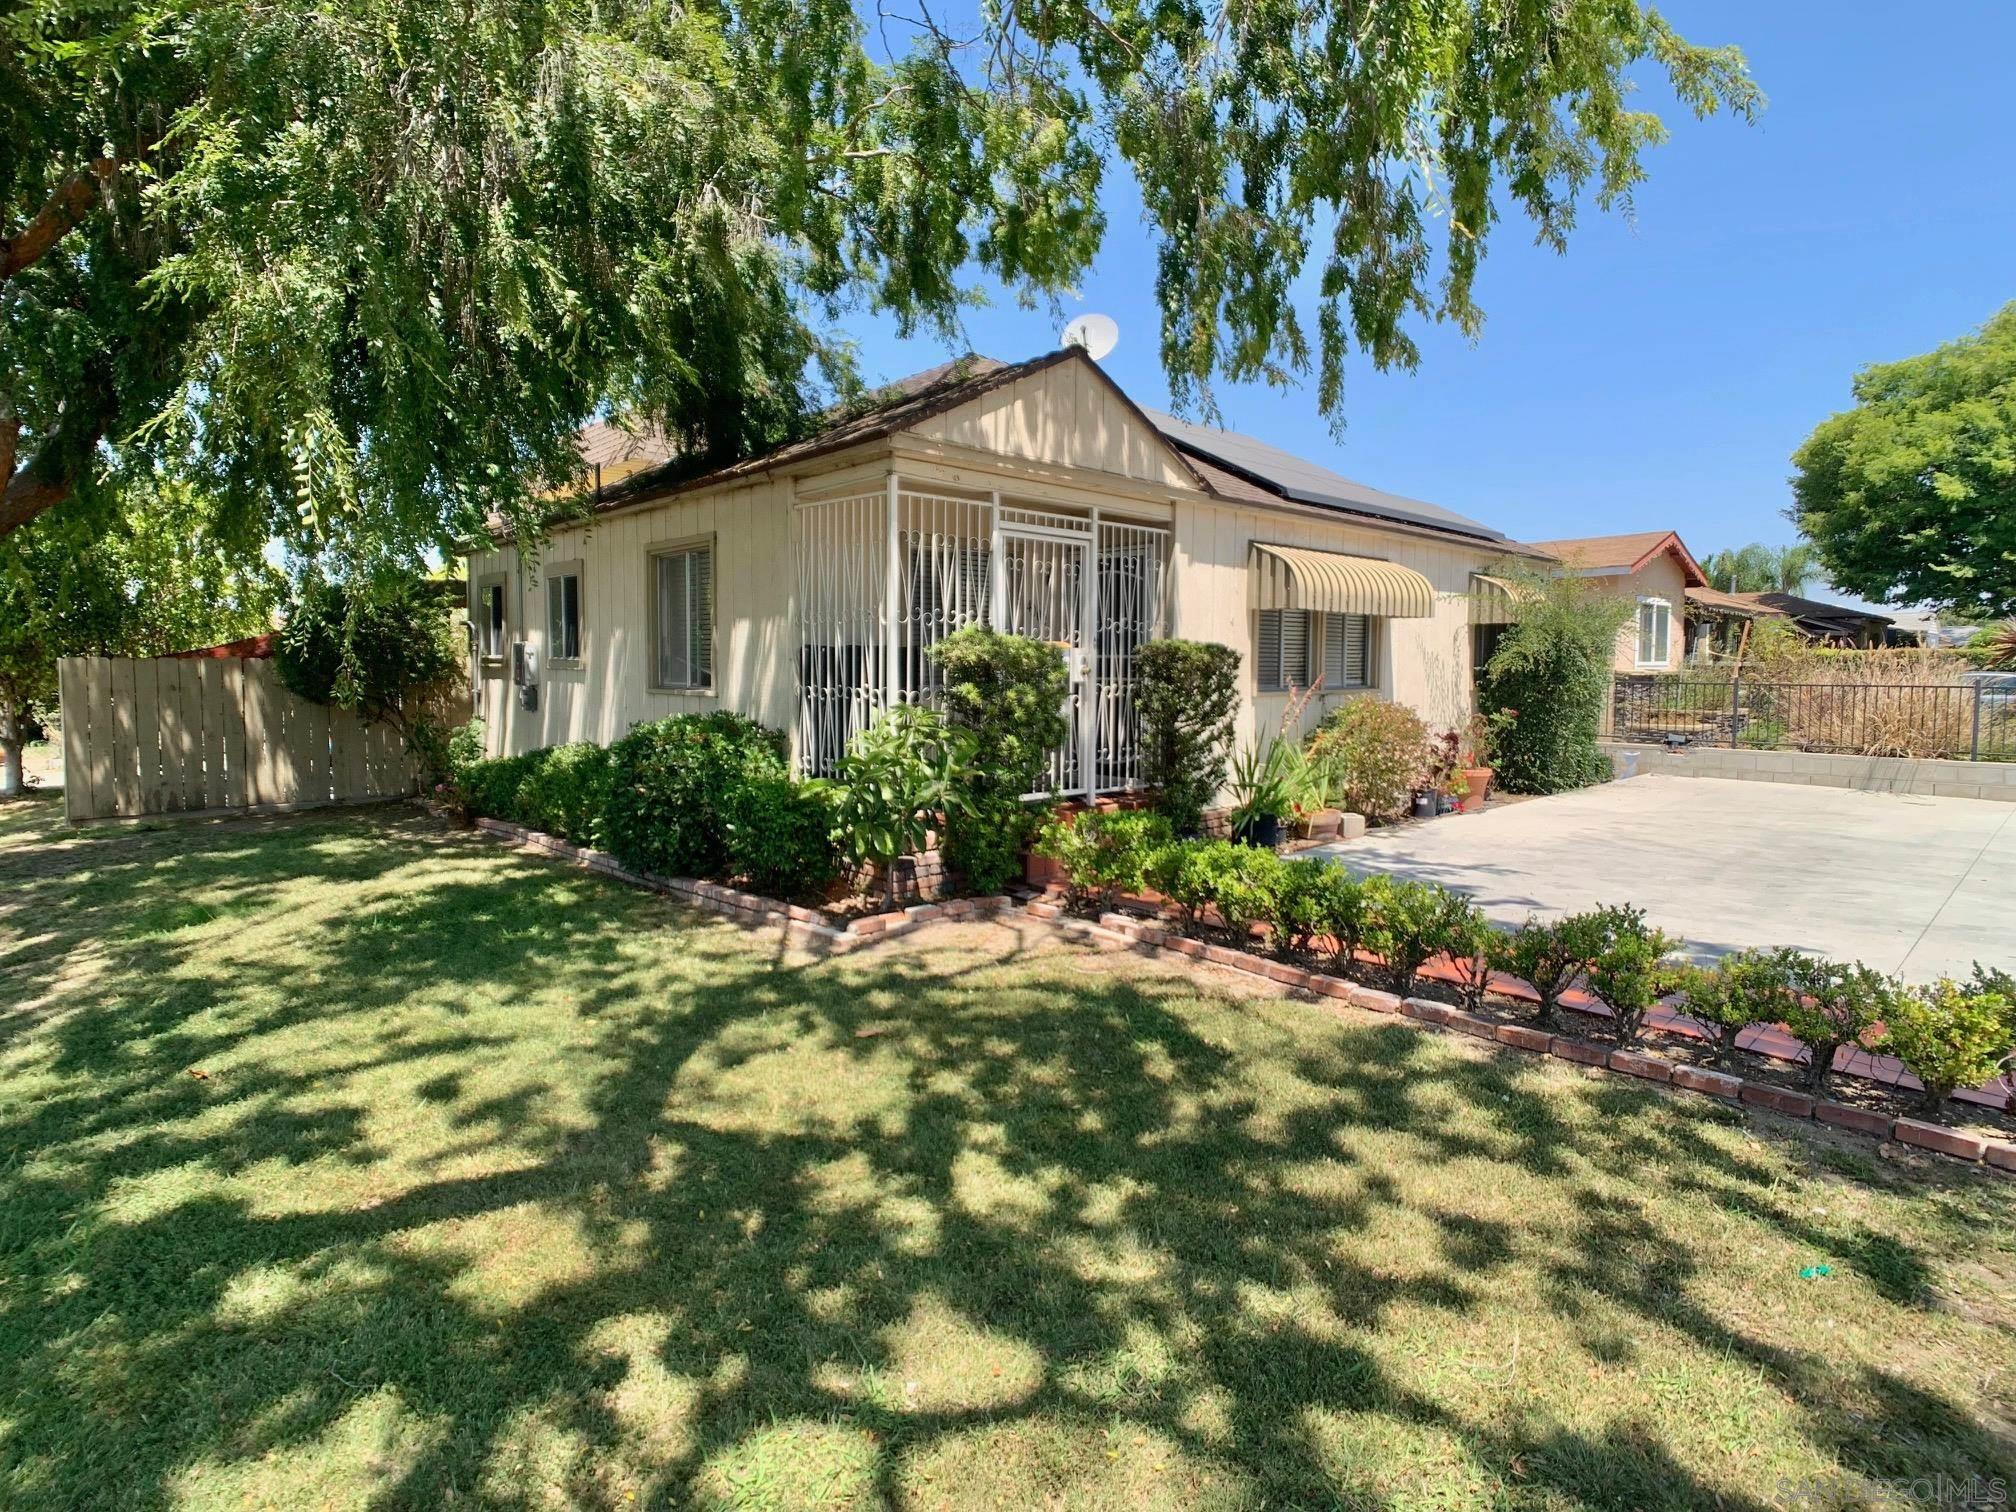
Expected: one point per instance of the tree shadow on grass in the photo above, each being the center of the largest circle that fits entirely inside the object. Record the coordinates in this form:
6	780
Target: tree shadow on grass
666	1212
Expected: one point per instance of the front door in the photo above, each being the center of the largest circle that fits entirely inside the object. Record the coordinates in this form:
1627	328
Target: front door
1044	588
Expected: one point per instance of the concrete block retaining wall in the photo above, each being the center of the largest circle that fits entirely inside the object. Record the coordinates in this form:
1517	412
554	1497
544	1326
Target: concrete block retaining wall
1994	780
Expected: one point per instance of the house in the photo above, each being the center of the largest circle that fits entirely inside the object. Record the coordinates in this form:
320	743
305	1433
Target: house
1827	624
804	587
1720	625
1653	569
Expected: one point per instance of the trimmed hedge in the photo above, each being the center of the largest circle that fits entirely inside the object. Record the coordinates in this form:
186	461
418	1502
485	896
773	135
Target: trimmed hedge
561	790
669	784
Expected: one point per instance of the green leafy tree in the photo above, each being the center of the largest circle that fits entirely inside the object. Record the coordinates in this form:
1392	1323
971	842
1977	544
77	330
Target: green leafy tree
1186	696
126	572
364	266
1911	495
367	646
1007	692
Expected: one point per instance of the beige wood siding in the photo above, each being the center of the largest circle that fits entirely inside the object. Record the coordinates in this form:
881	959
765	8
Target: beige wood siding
609	691
1066	416
1424	663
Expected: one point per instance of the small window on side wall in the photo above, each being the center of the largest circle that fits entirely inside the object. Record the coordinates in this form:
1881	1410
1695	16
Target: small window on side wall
563	614
490	620
1347	651
682	614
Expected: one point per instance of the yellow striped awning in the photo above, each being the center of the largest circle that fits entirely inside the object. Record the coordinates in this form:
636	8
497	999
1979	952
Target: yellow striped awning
1296	577
1492	598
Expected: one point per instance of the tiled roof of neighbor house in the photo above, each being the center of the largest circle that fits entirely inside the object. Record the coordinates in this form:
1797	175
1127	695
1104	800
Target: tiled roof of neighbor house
1741	606
1624	553
1223	463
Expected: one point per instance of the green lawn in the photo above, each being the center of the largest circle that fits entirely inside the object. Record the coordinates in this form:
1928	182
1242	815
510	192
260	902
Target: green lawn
346	1160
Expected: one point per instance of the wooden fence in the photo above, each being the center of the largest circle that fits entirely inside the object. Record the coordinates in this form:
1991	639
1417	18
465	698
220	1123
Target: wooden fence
163	735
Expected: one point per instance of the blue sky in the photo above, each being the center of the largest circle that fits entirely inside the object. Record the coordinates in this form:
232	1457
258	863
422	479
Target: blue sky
1661	372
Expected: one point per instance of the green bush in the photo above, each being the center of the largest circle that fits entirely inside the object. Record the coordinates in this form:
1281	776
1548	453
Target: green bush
668	783
1102	854
1715	998
1370	756
1633	970
1300	905
566	791
1341	905
490	788
1241	883
1409	924
1181	873
899	781
1547	683
1186	697
1950	1035
1547	957
1831	1004
1007	692
780	834
1471	944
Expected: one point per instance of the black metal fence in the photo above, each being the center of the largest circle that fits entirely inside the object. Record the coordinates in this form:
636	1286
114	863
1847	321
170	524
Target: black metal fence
1957	721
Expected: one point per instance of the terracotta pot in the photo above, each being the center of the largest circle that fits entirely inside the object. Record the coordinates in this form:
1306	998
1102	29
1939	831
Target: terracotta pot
1477	780
1318	824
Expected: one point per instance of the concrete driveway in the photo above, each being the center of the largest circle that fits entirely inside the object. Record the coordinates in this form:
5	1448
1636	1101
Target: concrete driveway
1919	886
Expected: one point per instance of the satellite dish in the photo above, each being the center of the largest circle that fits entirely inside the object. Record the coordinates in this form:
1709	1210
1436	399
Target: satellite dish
1096	333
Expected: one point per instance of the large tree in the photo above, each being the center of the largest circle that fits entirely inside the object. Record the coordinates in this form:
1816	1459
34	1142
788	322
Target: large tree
362	267
139	571
1911	495
1758	568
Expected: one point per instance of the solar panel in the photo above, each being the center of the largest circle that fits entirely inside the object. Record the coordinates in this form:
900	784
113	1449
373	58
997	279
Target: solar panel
1307	483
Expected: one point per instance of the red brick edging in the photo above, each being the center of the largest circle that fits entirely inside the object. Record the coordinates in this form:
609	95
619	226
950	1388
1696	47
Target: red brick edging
1154	938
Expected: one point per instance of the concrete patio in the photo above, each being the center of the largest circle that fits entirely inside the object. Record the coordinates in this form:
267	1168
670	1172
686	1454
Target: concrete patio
1916	885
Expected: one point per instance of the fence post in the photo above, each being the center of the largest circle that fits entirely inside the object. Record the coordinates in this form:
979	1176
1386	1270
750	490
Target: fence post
1735	704
1974	740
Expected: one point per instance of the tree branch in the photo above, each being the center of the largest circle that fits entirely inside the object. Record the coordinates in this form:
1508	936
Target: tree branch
59	215
51	476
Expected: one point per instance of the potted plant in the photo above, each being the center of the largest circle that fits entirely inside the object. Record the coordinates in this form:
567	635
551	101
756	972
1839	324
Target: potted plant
1265	780
1440	777
1474	764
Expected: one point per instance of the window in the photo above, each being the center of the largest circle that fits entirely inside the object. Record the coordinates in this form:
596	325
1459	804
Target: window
1283	649
1655	630
490	619
682	613
1347	651
563	613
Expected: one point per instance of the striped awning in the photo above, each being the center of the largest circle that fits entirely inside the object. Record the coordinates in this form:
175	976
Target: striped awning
1492	598
1296	577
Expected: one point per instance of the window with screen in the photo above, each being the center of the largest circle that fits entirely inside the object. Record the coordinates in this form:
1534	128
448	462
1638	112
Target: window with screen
563	615
683	617
1283	649
1347	651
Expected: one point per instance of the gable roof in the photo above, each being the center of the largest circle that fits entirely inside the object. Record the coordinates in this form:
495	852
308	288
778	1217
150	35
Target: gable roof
1622	554
1256	469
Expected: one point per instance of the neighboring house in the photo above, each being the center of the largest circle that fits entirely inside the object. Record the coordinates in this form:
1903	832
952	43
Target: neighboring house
804	587
1653	569
1720	625
1826	624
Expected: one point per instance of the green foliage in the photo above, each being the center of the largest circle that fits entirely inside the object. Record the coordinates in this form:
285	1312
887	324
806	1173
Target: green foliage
1758	568
561	790
1369	756
1341	906
1103	854
1471	945
1180	872
1268	780
1546	685
1410	923
780	833
1007	692
1300	905
367	645
1910	496
372	316
892	789
1832	1004
1186	696
1950	1035
1547	957
1241	882
1633	970
669	782
1716	998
